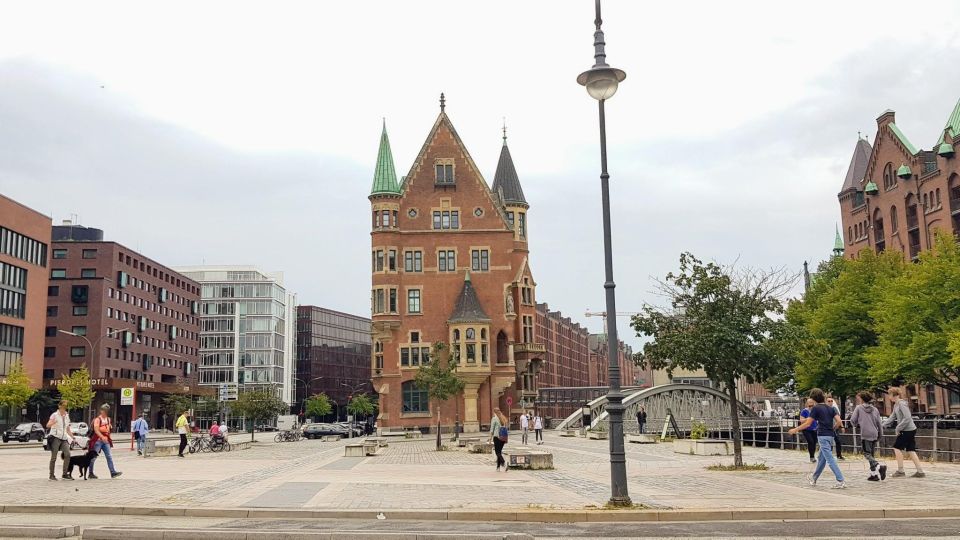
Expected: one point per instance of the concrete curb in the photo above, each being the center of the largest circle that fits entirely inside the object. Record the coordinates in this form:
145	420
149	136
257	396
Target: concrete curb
124	533
524	515
38	531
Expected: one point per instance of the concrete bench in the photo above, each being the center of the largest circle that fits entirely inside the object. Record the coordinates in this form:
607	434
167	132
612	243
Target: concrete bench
360	449
391	433
463	442
329	438
642	438
380	441
480	448
570	433
528	459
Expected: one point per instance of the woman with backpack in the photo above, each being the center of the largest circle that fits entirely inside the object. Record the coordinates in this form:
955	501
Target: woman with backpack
499	431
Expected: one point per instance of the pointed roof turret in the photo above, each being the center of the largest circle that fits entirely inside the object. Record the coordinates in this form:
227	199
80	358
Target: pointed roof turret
858	165
506	184
837	243
953	125
468	308
385	176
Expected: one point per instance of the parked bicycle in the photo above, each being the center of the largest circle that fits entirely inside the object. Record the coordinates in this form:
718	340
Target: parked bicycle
203	443
288	436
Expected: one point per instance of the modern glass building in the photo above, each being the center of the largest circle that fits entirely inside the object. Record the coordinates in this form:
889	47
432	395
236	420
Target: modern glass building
247	330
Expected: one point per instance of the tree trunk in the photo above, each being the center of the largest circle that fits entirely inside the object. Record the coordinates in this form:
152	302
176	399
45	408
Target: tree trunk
735	425
439	443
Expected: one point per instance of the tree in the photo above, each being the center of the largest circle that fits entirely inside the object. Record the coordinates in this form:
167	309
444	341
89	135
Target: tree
44	398
176	403
76	389
727	325
360	404
259	406
318	405
918	321
837	315
15	388
439	378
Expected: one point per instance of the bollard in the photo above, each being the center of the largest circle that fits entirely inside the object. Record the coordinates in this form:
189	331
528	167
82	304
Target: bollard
935	452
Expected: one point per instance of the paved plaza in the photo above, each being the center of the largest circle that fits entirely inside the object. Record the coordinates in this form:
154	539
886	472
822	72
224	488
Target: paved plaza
410	475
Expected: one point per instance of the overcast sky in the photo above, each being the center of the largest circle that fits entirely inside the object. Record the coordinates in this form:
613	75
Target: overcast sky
246	133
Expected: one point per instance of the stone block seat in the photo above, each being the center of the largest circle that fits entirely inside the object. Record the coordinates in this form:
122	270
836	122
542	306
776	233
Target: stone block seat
528	458
642	438
464	442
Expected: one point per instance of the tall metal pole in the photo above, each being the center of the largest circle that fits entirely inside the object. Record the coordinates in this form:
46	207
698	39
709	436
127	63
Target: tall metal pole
618	463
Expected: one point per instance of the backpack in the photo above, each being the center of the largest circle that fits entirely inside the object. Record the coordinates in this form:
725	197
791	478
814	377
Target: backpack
503	433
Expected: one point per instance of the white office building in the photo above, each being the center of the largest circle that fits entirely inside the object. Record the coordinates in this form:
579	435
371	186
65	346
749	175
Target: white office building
247	330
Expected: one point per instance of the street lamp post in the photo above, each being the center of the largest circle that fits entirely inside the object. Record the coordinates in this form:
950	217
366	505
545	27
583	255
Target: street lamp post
601	82
306	386
93	346
353	390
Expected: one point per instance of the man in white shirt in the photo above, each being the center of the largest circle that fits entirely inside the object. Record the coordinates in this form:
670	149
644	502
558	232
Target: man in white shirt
223	430
524	427
58	440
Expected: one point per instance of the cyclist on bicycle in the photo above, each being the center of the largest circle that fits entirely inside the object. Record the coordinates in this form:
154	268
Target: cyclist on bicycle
214	430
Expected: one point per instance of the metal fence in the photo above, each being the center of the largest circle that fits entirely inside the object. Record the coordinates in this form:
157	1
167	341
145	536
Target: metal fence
937	439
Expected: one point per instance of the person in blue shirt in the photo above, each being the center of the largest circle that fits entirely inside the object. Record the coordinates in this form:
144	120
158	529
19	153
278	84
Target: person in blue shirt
810	434
828	421
140	430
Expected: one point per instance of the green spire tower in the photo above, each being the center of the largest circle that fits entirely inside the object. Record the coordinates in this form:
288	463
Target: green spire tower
385	176
838	243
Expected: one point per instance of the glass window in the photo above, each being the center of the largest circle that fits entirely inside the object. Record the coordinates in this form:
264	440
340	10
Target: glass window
51	331
58	273
393	300
59	254
79	310
480	260
52	311
53	290
89	254
79	330
415	400
392	260
88	273
436	219
78	351
413	301
455	219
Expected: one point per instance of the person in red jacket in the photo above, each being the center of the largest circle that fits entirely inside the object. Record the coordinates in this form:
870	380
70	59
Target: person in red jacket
101	441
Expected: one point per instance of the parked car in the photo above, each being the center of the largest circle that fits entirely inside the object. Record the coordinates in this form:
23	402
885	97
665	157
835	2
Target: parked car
79	428
315	431
266	427
24	432
357	428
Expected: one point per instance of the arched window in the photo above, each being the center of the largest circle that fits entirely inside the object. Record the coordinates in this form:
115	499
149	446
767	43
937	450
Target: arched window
894	220
925	202
938	197
456	336
415	400
849	235
889	179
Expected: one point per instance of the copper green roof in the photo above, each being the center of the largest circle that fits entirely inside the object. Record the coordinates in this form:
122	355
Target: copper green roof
953	123
903	139
837	242
904	171
385	177
871	188
945	149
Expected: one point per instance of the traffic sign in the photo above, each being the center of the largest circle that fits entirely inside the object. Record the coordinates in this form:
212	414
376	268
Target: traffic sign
126	396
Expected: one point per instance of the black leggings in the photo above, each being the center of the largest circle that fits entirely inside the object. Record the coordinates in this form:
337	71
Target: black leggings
837	444
498	449
539	434
811	437
183	442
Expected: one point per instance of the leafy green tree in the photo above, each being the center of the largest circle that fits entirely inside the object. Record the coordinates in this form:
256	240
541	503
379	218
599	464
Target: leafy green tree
43	399
918	321
439	378
259	406
318	405
15	388
838	318
360	405
176	403
727	325
76	389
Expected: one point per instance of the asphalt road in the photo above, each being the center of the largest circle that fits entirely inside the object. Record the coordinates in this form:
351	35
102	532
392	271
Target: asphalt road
873	528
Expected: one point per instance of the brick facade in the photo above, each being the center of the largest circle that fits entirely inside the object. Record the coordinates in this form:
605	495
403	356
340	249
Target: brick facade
444	240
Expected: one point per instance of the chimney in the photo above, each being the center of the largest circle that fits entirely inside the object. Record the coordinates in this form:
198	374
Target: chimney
886	118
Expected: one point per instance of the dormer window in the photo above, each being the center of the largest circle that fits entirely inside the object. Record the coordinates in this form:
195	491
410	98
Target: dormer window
444	169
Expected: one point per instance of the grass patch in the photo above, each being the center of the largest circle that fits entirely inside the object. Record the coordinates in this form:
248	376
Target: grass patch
744	467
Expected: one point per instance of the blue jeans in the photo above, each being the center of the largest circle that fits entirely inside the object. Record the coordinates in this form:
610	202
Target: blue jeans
141	440
826	458
105	447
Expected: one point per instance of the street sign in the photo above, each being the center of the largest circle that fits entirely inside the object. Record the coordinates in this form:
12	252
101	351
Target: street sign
509	402
126	396
228	392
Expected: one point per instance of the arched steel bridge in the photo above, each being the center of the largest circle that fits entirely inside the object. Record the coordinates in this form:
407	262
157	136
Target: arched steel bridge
685	401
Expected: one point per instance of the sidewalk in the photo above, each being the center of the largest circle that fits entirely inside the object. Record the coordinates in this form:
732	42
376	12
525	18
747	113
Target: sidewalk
312	475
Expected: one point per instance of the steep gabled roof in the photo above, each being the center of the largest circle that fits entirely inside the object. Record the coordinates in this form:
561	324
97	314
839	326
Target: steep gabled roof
468	308
506	184
903	139
858	165
953	124
837	242
385	176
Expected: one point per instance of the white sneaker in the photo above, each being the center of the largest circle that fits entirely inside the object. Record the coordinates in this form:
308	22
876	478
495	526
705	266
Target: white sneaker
839	485
811	480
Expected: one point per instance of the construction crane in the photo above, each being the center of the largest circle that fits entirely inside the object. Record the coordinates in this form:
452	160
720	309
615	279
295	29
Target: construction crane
604	315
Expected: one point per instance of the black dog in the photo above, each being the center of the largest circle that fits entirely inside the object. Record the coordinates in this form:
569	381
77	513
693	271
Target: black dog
83	462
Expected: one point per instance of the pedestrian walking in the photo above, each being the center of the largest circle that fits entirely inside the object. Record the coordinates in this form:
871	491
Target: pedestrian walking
827	422
140	430
866	418
499	431
810	433
642	419
902	420
181	426
538	428
524	427
836	433
58	440
102	442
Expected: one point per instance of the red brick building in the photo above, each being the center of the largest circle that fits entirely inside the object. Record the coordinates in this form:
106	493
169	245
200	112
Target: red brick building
630	374
450	265
895	196
24	237
130	320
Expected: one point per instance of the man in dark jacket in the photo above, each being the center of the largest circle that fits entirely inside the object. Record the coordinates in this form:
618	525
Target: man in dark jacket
641	419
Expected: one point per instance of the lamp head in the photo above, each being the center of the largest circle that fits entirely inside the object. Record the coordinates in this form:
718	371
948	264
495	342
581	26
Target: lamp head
601	82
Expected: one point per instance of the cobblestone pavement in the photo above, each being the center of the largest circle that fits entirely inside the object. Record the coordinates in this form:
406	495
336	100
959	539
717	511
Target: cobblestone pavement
411	475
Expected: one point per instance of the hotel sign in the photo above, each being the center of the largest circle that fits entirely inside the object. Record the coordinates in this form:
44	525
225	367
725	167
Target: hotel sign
141	386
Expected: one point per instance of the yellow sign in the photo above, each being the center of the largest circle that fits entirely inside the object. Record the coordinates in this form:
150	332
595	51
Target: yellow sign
126	396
